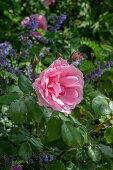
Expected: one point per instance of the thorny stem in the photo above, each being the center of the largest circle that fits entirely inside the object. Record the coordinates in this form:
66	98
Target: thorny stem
99	126
34	75
61	155
37	129
64	152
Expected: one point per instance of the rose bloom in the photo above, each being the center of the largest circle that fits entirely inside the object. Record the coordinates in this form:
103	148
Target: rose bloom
42	23
48	2
75	55
60	86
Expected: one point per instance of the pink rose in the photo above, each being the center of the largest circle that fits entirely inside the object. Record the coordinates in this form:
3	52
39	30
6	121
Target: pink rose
75	55
60	86
48	2
42	23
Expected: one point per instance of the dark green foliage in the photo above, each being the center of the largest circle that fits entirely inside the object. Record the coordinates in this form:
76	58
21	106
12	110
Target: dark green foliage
82	140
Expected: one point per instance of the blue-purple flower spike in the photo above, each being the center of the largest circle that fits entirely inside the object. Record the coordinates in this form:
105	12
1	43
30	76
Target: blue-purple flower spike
16	167
56	26
98	72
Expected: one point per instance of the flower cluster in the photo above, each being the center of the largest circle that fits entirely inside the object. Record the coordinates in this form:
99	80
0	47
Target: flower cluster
99	71
58	22
44	40
5	51
45	157
45	51
34	22
41	157
24	38
25	53
16	167
29	73
30	23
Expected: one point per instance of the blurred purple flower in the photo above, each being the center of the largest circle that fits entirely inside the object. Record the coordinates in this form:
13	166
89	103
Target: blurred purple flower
16	167
25	53
57	23
98	72
51	158
5	48
31	161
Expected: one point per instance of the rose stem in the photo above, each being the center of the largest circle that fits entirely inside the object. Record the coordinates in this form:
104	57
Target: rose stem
99	126
34	63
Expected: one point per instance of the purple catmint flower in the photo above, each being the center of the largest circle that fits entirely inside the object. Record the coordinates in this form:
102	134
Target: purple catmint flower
98	72
45	158
47	49
7	162
6	65
51	158
31	161
25	53
29	72
42	55
57	24
18	72
16	167
5	49
14	53
1	92
32	25
24	38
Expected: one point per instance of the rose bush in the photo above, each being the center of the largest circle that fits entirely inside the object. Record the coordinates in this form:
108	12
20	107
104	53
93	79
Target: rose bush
48	2
60	86
42	23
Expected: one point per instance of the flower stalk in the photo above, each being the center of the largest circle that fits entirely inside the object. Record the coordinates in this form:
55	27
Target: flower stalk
99	126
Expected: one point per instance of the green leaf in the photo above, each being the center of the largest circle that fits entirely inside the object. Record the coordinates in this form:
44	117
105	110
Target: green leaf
75	121
107	47
108	134
25	84
94	153
106	150
46	111
70	135
59	165
9	98
107	75
84	134
70	166
6	148
10	75
111	105
14	88
23	131
100	105
54	128
25	151
63	117
80	155
34	112
18	111
18	138
36	143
